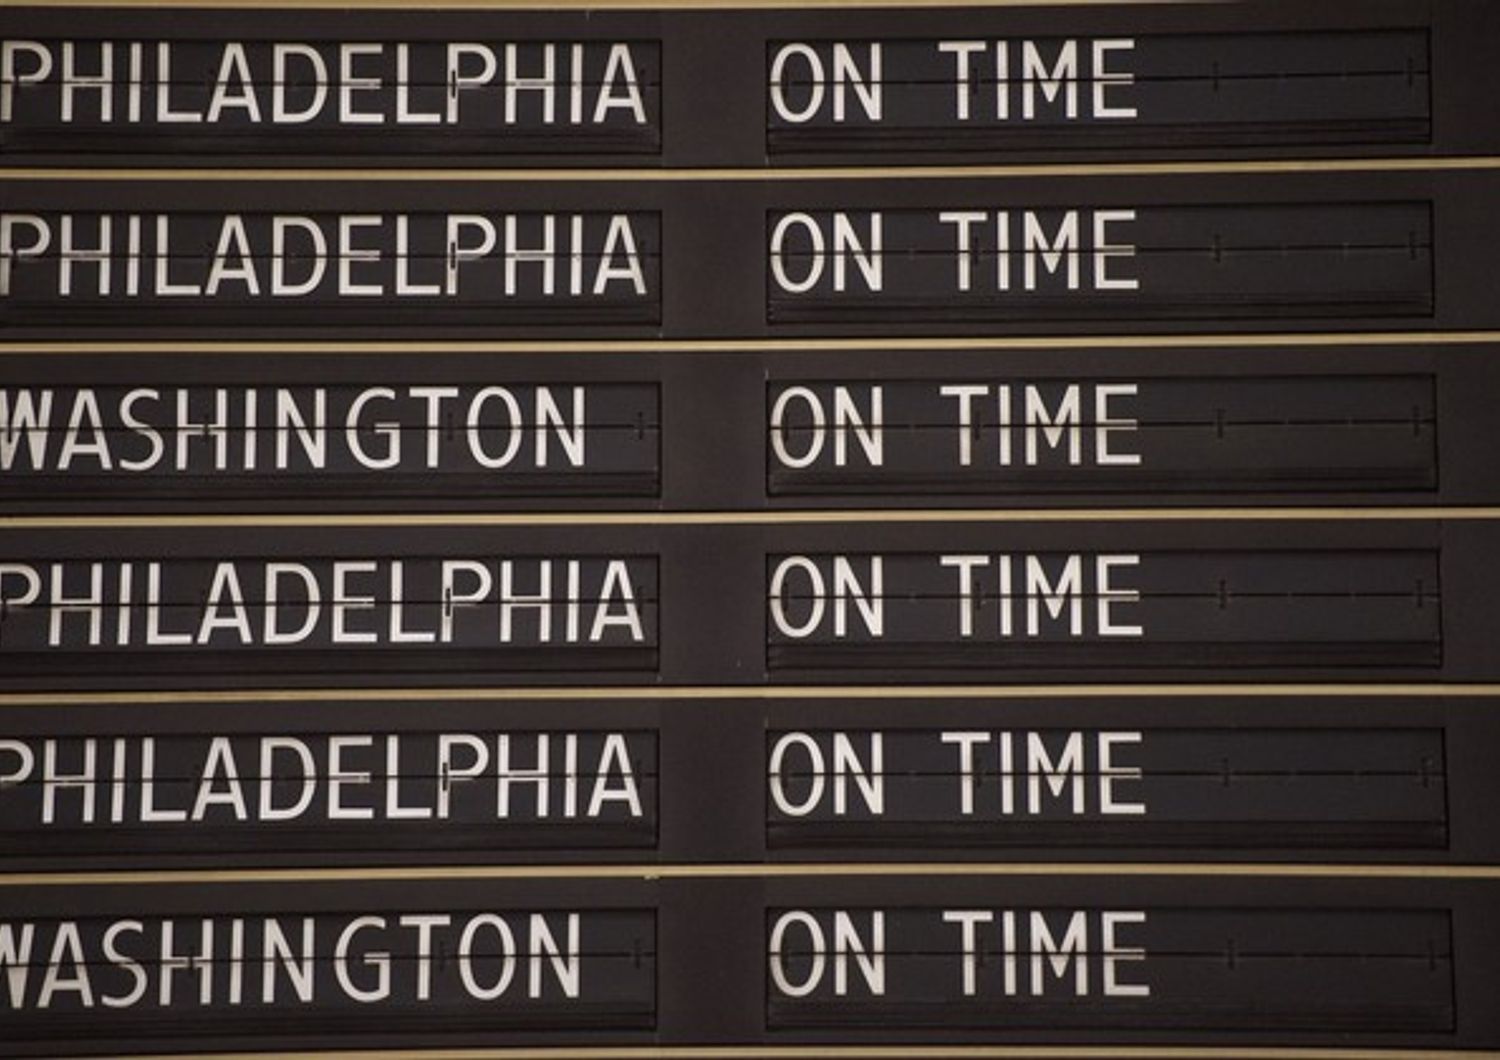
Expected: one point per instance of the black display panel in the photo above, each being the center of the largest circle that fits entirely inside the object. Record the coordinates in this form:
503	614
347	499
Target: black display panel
1121	92
87	978
975	436
332	98
1059	960
237	616
1133	968
977	263
531	793
1087	609
258	441
1189	788
518	268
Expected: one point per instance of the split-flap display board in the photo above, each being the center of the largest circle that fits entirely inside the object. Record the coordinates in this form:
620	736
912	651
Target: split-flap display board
769	528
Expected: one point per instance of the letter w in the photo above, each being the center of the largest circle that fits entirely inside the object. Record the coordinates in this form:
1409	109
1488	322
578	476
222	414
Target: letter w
17	963
29	417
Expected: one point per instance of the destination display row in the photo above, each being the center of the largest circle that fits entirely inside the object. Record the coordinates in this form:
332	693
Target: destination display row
684	259
779	960
763	88
410	777
739	602
207	429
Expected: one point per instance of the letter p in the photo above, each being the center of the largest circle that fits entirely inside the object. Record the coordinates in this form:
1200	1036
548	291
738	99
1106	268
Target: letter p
10	574
10	77
9	252
25	762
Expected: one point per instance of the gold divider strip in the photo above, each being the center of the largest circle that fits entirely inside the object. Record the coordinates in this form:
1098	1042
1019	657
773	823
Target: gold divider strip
872	1052
875	1052
566	5
1256	340
649	872
753	692
1419	164
746	518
